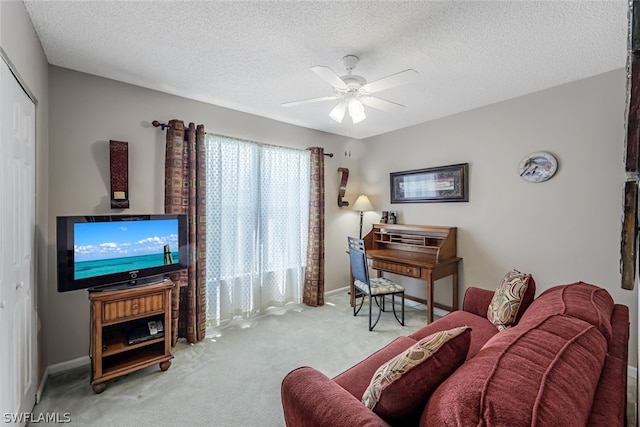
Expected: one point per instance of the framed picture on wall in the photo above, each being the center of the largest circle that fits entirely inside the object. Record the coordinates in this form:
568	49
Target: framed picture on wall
440	184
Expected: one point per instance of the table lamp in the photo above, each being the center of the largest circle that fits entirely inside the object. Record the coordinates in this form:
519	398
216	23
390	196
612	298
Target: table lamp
362	205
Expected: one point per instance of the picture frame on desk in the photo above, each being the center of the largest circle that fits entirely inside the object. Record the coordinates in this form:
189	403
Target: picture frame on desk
431	185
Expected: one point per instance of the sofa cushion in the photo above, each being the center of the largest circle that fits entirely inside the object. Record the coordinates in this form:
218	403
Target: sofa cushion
507	299
356	379
405	382
481	329
544	373
582	300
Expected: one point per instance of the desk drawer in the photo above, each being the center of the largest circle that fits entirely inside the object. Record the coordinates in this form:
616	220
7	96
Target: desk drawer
394	267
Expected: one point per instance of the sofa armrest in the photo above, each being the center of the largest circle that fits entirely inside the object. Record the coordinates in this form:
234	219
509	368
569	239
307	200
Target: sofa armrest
610	401
311	399
476	301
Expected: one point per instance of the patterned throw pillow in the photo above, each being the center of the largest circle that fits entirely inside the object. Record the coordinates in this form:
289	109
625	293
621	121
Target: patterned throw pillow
403	383
506	301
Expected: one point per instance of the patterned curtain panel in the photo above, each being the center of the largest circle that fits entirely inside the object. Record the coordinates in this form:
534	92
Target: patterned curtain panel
314	273
257	198
186	194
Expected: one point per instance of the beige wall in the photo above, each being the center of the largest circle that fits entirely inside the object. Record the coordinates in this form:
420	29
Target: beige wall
88	111
563	230
21	47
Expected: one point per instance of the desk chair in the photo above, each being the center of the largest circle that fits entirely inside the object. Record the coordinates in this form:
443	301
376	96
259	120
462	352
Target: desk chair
375	288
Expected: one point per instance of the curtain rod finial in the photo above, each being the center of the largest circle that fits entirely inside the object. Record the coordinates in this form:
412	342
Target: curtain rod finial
156	124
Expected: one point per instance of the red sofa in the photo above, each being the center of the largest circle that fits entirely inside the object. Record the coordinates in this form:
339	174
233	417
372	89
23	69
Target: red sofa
564	363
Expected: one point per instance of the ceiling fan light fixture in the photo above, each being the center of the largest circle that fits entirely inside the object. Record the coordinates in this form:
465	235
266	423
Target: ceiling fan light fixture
355	92
359	118
338	111
356	110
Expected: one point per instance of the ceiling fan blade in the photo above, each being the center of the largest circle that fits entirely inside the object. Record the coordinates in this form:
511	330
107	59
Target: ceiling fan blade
309	101
327	74
401	78
381	104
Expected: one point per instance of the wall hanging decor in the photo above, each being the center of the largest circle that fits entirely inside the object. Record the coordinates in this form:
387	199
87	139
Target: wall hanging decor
629	237
538	167
629	241
440	184
119	168
343	187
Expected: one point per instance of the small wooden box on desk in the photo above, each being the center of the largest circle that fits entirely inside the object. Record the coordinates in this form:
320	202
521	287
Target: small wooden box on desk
111	311
424	252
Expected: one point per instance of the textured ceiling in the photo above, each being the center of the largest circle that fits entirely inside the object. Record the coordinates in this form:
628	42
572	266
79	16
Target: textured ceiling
253	56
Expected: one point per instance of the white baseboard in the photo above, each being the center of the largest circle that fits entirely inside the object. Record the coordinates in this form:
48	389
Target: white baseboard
68	365
337	291
43	382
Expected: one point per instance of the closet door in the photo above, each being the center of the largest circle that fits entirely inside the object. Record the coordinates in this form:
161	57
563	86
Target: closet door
17	234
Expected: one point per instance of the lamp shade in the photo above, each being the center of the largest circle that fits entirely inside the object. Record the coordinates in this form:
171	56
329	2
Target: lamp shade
362	204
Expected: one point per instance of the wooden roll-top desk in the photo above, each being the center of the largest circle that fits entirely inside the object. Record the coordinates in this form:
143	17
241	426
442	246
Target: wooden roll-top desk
423	252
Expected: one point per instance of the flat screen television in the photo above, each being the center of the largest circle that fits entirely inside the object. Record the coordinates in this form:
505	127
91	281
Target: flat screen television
119	250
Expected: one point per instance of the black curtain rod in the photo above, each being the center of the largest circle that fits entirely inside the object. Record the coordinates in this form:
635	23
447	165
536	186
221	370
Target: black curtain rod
157	124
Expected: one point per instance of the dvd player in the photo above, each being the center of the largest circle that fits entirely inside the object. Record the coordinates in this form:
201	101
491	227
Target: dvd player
144	331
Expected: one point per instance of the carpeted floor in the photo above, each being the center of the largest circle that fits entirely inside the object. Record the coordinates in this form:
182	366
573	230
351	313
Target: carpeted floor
233	377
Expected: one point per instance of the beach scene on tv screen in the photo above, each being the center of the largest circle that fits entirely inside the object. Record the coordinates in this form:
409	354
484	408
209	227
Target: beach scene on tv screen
102	248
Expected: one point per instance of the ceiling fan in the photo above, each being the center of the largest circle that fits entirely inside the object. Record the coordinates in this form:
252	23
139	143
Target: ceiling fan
354	92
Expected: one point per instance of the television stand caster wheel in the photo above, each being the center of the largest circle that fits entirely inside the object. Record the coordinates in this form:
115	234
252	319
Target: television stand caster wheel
165	365
99	388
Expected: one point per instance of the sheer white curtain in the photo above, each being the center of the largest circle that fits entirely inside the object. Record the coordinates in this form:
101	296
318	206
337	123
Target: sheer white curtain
257	215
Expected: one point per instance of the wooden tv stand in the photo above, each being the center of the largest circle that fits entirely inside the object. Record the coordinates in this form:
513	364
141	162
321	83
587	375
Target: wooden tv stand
111	312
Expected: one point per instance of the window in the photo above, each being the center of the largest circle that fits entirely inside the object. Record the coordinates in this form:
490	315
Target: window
257	217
